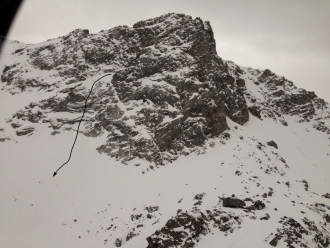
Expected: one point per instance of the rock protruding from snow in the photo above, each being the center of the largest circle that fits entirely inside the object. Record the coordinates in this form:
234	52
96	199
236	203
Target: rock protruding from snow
271	96
186	229
233	202
294	234
25	131
272	143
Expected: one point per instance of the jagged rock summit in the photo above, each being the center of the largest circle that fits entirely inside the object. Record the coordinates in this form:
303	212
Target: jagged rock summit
169	92
236	142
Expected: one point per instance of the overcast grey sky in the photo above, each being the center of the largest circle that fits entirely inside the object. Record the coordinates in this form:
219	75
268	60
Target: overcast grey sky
289	37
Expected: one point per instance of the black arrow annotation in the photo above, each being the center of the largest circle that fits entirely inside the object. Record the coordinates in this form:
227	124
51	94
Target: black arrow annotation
55	173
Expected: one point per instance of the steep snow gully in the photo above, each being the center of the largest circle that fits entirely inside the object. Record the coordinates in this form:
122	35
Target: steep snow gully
177	148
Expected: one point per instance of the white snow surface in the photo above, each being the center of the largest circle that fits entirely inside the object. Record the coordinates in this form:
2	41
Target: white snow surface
93	191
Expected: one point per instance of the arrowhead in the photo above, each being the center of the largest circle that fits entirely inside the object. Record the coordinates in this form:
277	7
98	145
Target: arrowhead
54	174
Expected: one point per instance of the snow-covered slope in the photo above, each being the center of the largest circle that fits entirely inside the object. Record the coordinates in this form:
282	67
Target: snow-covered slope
178	148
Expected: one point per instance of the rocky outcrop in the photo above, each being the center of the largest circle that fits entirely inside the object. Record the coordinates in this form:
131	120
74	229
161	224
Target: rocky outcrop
186	229
274	97
233	202
255	110
294	234
169	91
118	242
25	131
327	195
257	205
168	236
272	143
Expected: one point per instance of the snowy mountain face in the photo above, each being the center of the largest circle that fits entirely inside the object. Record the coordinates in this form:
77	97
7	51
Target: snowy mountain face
178	148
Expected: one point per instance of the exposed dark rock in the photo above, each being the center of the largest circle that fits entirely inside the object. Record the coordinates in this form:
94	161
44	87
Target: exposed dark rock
199	197
240	82
129	236
294	234
291	104
257	205
255	110
195	224
327	218
168	237
233	202
280	98
327	195
3	139
25	131
135	216
320	238
267	73
233	98
274	241
266	217
272	143
149	216
168	136
16	124
118	242
278	93
282	160
152	209
305	184
238	173
54	133
226	136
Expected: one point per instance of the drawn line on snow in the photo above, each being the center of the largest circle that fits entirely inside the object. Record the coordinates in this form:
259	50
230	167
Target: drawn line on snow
54	174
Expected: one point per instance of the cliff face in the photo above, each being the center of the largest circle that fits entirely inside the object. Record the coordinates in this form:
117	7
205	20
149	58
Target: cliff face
168	93
169	90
